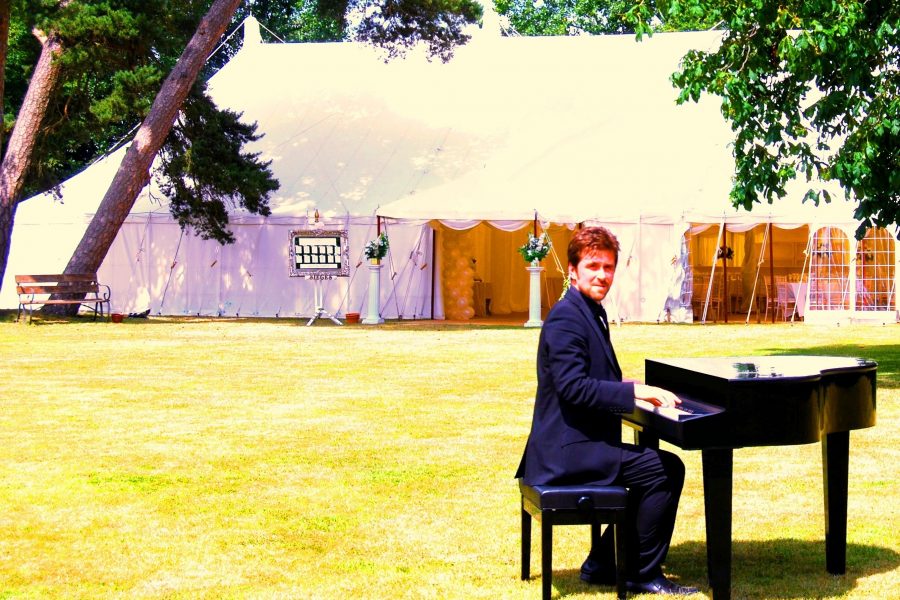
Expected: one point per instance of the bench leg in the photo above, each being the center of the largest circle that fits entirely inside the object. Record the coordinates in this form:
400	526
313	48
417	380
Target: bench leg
526	543
547	554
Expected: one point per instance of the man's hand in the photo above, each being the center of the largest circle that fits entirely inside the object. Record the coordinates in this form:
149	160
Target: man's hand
656	396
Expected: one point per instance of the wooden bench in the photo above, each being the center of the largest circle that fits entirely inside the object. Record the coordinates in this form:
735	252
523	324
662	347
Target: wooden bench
82	289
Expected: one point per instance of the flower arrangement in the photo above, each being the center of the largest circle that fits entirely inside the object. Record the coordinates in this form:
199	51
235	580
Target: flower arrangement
536	248
725	252
377	248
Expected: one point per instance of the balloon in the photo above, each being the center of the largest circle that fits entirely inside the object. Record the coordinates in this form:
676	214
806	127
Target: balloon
469	312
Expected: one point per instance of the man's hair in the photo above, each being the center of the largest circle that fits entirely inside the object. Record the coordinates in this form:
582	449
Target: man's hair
592	239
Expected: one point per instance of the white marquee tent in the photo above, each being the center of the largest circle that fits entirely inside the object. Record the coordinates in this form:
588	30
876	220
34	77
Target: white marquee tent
460	159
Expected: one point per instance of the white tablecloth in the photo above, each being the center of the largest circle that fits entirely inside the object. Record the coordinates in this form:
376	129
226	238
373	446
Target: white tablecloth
799	292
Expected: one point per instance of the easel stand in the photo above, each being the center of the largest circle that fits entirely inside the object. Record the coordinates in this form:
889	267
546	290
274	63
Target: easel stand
319	296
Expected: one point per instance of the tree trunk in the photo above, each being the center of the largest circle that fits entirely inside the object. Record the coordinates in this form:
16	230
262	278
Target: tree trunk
134	172
21	143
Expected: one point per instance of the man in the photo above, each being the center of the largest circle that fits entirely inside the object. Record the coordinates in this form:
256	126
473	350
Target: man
576	432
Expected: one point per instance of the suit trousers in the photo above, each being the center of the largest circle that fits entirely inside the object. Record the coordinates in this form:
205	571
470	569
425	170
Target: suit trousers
654	479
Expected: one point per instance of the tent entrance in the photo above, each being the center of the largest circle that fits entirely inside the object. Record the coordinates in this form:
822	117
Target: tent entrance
737	274
482	275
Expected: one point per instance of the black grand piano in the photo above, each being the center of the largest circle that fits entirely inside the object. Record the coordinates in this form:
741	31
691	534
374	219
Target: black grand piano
730	403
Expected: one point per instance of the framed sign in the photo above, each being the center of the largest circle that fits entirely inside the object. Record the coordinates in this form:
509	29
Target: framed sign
319	254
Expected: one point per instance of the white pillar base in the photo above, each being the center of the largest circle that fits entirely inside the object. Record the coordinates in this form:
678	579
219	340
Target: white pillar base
372	317
534	296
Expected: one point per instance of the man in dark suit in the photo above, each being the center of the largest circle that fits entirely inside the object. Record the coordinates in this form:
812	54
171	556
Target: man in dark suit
576	432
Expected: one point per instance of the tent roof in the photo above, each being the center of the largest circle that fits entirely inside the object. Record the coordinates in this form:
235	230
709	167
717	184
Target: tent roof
588	129
584	123
573	128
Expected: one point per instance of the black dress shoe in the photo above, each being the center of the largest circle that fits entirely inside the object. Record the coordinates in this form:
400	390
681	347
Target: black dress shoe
661	585
593	573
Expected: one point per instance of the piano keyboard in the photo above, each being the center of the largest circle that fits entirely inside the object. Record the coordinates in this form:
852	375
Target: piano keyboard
673	413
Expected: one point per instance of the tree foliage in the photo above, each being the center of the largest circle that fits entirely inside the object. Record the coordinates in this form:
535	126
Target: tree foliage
99	64
204	168
576	17
117	53
812	89
133	171
394	25
285	20
397	25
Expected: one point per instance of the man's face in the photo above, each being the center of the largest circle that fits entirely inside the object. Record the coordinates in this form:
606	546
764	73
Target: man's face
593	275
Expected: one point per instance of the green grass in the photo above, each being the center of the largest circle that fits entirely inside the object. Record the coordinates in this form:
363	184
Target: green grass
184	458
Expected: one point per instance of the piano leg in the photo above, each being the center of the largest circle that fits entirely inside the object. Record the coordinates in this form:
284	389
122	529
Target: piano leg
835	465
718	466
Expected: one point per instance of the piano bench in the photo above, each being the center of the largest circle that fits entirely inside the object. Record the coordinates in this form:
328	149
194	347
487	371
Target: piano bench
553	505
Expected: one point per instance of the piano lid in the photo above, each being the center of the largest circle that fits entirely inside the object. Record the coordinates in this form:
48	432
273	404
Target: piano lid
768	367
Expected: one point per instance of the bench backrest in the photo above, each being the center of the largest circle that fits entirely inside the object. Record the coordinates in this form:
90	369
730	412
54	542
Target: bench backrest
73	283
54	279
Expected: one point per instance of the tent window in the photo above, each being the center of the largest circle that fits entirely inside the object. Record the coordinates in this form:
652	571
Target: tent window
875	271
829	270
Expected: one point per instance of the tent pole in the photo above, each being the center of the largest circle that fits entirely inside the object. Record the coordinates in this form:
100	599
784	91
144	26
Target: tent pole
361	259
433	267
544	273
393	275
725	299
772	267
174	262
759	263
712	272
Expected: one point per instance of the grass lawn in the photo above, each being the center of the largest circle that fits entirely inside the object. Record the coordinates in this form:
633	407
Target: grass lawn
185	458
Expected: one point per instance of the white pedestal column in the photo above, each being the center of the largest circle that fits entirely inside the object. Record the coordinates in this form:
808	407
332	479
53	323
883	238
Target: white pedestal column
372	316
534	296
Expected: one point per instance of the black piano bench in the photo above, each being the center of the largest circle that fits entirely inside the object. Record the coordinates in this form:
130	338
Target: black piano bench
552	505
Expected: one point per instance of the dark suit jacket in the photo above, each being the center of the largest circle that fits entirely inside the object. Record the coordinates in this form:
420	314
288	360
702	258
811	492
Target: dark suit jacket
576	431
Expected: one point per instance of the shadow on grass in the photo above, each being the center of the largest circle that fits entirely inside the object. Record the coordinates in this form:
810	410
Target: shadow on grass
779	568
886	355
40	318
